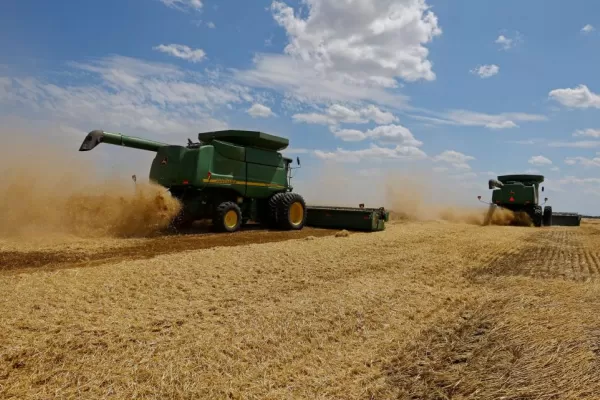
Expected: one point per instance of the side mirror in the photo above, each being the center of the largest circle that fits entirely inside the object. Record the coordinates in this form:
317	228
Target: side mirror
546	199
479	197
298	160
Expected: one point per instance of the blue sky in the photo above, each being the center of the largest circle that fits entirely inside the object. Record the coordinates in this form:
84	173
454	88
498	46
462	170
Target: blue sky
456	93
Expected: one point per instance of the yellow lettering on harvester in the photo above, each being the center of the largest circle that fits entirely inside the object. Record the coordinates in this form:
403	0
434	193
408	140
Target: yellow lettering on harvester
237	182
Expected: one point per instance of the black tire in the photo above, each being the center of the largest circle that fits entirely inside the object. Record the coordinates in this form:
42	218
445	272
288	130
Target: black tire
537	216
488	216
271	213
228	217
547	216
180	222
291	211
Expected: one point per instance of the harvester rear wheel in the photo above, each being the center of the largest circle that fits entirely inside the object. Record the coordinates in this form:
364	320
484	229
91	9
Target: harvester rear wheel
488	216
537	216
548	216
181	221
291	211
228	217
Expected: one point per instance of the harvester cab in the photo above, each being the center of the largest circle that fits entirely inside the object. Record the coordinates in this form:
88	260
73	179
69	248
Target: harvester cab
520	193
229	176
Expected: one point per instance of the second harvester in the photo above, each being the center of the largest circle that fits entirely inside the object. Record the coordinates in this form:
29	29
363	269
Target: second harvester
520	193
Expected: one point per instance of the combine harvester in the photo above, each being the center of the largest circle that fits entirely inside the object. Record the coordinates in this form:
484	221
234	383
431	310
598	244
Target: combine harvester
233	176
521	193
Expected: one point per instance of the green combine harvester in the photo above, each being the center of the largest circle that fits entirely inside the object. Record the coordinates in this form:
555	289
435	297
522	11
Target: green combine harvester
521	193
234	176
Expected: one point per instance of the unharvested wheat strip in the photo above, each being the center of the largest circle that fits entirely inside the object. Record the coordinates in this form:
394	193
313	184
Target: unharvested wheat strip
545	254
589	265
584	271
584	274
594	263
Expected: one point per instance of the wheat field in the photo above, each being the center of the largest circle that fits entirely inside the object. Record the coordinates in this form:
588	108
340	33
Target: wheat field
422	310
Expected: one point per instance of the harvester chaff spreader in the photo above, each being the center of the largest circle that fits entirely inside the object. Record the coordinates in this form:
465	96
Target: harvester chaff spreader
233	176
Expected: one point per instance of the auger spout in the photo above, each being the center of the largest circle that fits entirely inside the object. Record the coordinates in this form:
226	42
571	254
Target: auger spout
94	138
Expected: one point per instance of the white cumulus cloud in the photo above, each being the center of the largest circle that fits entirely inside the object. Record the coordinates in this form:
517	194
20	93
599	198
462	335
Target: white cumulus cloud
350	135
382	39
338	113
539	160
130	95
586	162
504	42
455	159
581	144
588	28
486	71
374	153
470	118
578	97
340	51
595	133
259	110
183	4
396	134
182	51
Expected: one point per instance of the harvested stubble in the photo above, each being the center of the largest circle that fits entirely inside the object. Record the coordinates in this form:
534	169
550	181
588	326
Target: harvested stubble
380	315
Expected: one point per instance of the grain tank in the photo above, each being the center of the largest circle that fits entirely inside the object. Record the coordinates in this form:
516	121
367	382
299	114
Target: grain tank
229	176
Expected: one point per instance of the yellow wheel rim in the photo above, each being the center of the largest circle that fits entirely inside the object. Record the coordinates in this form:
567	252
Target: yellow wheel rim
296	213
231	218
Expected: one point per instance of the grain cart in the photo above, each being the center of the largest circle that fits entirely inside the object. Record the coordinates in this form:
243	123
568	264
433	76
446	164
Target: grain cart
229	176
520	193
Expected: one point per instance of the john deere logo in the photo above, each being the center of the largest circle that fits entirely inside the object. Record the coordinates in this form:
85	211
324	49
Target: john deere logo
164	161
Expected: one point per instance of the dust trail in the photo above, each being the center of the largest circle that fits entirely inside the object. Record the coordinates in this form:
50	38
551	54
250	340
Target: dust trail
410	194
46	190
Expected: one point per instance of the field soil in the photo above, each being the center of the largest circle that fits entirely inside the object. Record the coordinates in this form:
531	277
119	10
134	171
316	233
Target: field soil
422	310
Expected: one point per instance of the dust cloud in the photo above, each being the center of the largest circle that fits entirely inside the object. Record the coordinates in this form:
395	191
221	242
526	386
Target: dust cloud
409	195
50	189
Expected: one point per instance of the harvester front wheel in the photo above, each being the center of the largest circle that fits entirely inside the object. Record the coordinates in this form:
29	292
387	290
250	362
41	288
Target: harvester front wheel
271	211
291	211
548	216
228	217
